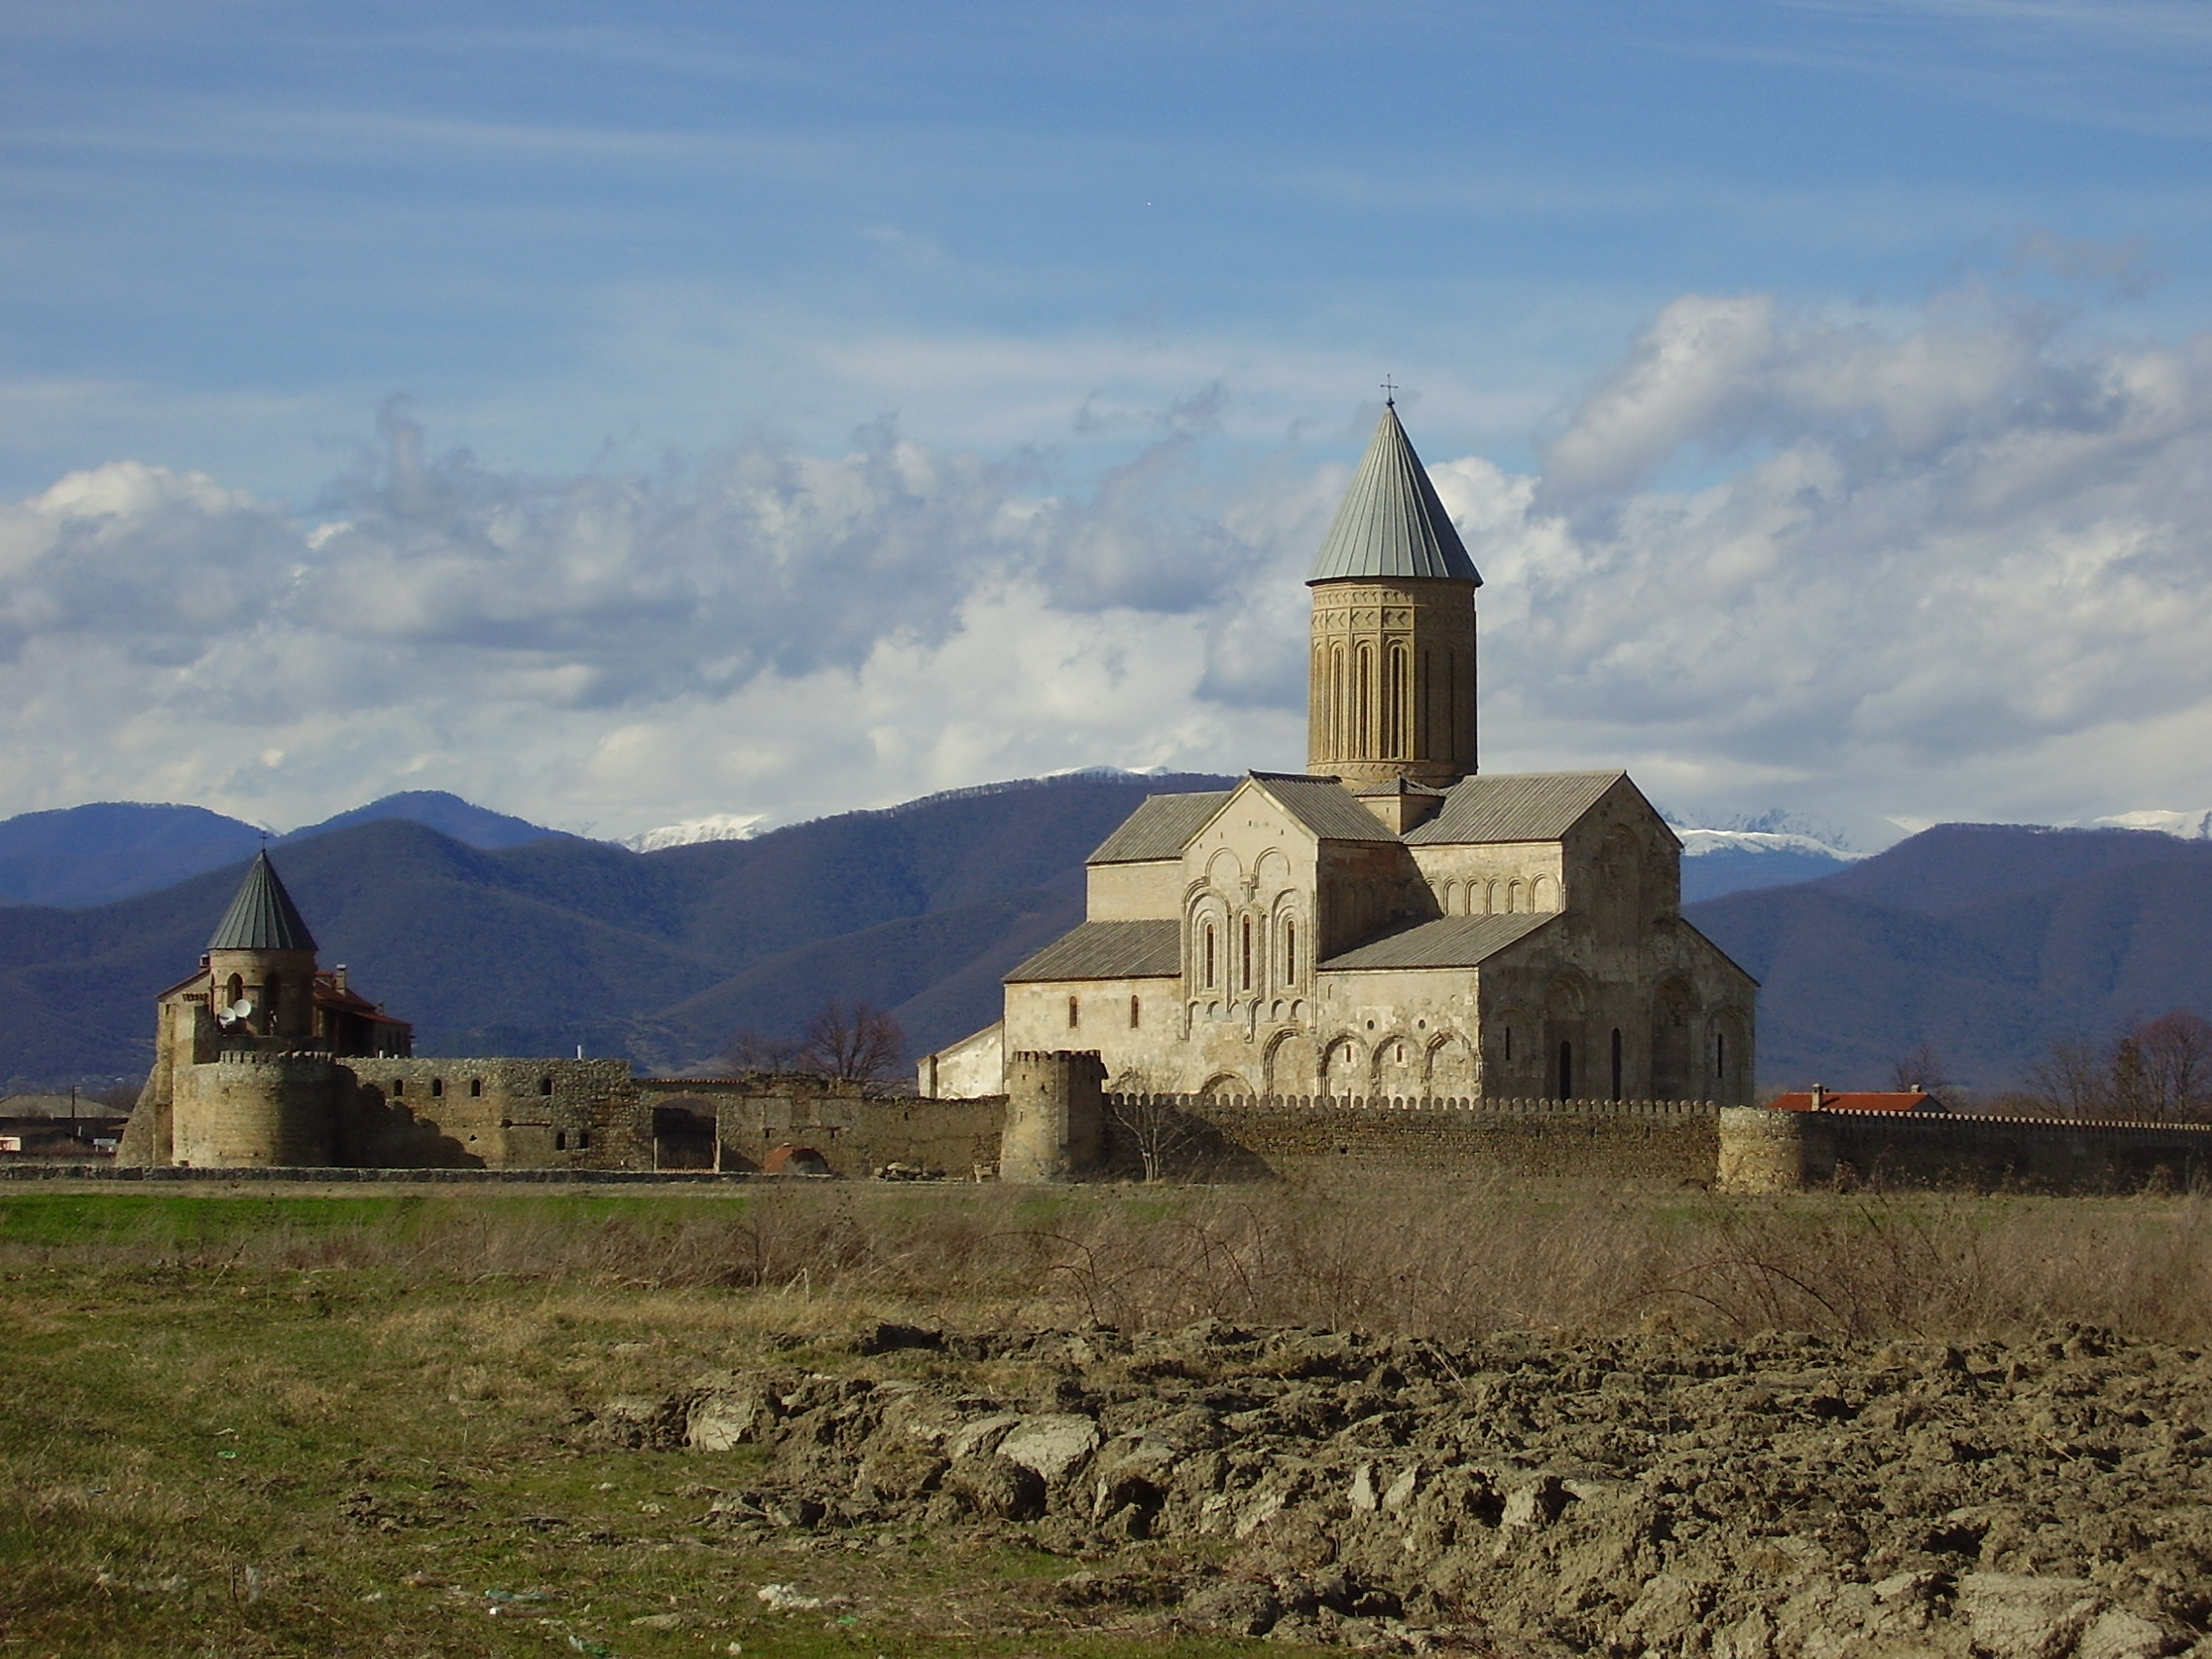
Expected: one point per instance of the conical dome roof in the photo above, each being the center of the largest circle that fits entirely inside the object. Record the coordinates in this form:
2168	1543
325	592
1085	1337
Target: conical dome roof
1391	522
263	916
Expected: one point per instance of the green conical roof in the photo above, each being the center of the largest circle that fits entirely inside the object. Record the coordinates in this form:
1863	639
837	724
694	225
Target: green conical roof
263	916
1391	522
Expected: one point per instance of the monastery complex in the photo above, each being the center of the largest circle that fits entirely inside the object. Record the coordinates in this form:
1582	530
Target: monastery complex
1390	923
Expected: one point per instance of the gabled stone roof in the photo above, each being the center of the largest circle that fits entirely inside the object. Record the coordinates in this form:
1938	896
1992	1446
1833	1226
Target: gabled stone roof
1447	941
262	917
1526	806
1161	828
1391	522
1323	805
1108	951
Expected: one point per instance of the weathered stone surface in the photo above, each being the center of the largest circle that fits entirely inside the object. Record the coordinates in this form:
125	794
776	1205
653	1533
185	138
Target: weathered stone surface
1779	1497
1052	1443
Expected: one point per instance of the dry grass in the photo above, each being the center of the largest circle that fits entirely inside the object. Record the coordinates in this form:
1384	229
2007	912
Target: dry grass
1444	1260
313	1423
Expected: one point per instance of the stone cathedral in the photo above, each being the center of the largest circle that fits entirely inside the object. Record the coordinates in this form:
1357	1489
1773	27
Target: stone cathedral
1390	923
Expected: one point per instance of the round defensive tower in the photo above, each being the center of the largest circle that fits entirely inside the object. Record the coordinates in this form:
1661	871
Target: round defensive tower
253	1109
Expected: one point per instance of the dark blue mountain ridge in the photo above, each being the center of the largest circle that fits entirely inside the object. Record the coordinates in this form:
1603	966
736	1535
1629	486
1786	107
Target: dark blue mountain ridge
1985	941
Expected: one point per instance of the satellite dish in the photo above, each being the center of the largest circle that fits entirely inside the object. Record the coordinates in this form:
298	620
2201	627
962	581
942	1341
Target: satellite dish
242	1009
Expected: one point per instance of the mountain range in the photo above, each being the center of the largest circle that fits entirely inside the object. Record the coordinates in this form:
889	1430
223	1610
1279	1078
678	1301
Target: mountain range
497	935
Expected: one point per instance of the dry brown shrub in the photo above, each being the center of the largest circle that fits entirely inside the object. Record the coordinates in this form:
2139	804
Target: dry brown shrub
1434	1259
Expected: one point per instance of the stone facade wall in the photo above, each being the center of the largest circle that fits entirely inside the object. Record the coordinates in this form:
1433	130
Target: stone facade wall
1763	1150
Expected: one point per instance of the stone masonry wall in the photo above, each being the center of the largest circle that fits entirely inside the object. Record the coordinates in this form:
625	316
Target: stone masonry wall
1763	1150
1630	1142
855	1135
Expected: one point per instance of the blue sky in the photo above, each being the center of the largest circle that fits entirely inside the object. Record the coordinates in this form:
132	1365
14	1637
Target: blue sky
1025	345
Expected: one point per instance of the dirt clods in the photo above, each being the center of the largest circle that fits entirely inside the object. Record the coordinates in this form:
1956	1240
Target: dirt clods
1782	1498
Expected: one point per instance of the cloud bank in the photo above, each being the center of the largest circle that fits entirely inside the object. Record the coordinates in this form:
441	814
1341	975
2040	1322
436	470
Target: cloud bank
1950	564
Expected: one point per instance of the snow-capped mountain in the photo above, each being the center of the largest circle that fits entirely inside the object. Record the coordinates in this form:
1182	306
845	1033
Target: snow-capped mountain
714	826
1772	851
2190	826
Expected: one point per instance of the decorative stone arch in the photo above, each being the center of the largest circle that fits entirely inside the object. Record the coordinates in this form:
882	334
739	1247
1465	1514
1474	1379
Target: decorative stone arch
1225	870
1395	1070
1491	896
1290	942
684	1133
1516	897
1225	1086
1452	900
1205	936
1270	870
1342	1070
1452	1070
1288	1066
1543	896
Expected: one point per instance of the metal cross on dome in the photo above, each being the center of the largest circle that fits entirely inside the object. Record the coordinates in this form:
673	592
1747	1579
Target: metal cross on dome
1389	392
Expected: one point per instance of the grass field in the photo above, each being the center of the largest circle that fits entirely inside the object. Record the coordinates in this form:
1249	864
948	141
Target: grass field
294	1423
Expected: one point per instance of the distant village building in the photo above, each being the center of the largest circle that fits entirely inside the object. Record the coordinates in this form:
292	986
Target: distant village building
1822	1099
1390	923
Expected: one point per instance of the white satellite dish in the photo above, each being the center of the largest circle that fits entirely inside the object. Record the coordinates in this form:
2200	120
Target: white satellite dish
242	1009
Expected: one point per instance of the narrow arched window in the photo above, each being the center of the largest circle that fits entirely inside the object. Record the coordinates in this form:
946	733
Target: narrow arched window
1396	698
1136	1007
1290	953
1616	1063
1363	718
437	1088
1075	1014
1245	951
476	1088
1720	1056
1509	1045
234	992
1336	701
546	1086
1209	979
1566	1071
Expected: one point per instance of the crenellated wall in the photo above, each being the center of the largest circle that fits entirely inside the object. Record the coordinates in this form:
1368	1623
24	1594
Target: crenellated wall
1767	1151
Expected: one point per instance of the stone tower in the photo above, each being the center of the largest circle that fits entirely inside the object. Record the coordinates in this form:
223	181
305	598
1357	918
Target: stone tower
263	955
1392	705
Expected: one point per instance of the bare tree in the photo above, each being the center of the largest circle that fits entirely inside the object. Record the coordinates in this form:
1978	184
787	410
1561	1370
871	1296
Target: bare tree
2160	1069
1921	1067
2176	1051
753	1052
1154	1124
852	1043
2071	1080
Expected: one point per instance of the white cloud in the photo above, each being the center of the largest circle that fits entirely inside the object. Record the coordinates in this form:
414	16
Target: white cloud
1950	566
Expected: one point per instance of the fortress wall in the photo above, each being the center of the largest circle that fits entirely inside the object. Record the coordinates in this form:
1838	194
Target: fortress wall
855	1135
492	1114
1763	1150
1664	1142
